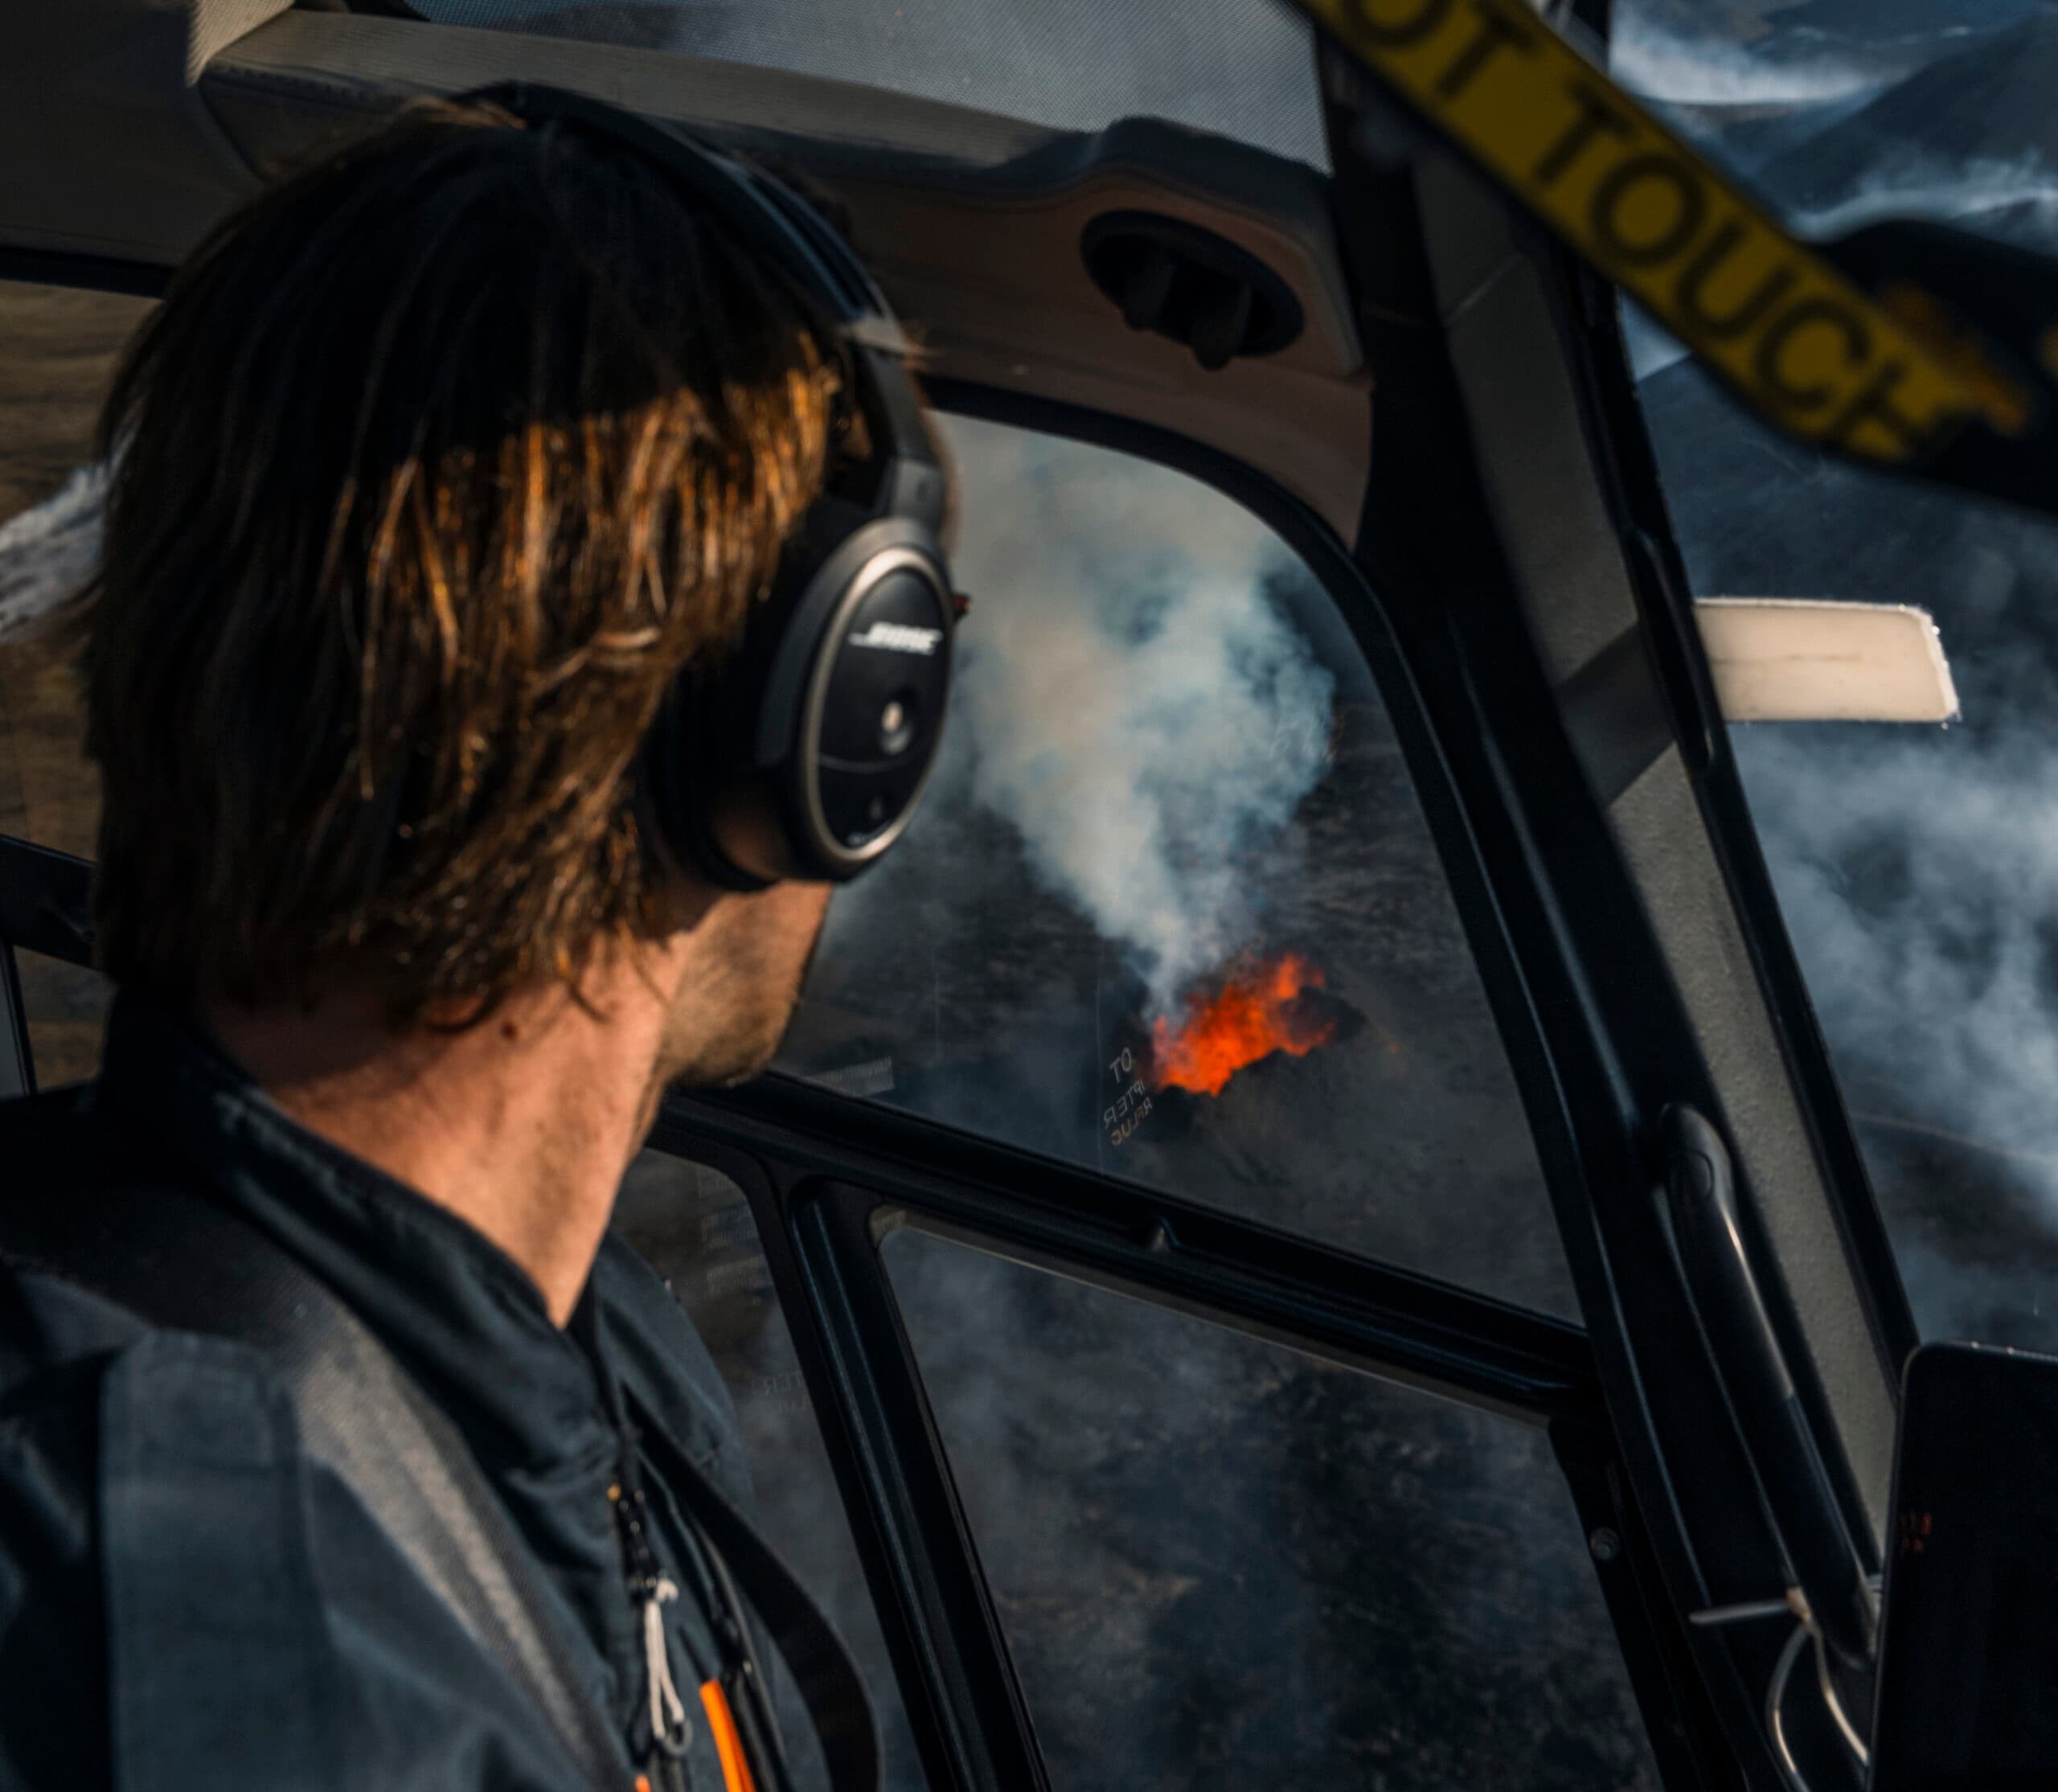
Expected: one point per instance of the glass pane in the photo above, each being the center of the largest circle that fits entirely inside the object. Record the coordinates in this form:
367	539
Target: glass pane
67	1007
1842	111
694	1226
1915	865
1242	68
1221	1565
1169	797
57	350
49	793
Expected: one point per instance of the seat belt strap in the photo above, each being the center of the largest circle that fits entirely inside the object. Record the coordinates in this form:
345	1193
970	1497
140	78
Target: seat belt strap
180	1262
200	1501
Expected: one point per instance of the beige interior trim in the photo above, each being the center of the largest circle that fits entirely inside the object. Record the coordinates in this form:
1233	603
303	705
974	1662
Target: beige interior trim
1805	659
212	26
972	221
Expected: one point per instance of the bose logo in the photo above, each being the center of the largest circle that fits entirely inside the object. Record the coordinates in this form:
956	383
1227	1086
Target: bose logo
899	638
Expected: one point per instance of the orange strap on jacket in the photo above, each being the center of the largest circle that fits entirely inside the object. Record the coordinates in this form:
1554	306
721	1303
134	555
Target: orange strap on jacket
722	1726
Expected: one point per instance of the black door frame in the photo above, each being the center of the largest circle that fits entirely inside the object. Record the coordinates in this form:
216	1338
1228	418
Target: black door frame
1601	1043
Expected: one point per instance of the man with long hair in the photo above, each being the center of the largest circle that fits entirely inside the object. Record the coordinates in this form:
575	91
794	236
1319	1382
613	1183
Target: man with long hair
437	468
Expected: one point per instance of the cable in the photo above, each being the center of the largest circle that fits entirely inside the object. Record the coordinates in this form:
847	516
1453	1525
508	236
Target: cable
1782	1673
1775	1697
1843	1724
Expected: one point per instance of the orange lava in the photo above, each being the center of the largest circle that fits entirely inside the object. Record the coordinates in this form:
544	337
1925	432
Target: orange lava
1248	1019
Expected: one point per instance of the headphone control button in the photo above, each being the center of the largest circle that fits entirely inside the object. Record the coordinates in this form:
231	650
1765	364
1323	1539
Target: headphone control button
897	723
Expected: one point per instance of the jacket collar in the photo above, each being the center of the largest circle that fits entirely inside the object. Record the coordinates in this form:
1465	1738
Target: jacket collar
462	1316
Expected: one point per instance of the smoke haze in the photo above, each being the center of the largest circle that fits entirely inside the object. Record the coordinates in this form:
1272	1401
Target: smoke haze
1142	712
2017	199
1242	68
1917	868
1920	875
1687	68
47	553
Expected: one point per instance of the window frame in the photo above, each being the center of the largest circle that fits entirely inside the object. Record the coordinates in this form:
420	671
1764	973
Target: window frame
1608	388
1477	588
828	1178
829	1175
17	1060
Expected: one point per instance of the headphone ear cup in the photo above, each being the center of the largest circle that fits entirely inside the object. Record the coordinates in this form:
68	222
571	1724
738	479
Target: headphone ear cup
677	774
806	754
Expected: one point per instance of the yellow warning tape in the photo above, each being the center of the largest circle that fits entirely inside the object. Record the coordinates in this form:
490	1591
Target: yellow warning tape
1799	340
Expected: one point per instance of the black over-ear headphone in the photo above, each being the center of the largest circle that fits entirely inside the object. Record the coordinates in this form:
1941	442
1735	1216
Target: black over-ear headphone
806	754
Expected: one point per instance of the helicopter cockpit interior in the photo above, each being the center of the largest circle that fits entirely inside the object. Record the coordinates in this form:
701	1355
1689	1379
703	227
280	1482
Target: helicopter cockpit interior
1434	1166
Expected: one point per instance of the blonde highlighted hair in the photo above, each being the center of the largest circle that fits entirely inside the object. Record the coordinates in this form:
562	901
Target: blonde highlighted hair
435	467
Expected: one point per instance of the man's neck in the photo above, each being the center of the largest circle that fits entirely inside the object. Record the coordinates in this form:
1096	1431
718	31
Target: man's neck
521	1124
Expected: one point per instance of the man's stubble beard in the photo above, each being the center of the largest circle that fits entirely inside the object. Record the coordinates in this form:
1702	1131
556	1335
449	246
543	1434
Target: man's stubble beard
743	986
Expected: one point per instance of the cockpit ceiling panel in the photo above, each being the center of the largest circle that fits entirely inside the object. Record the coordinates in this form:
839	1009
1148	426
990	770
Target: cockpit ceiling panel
360	60
1244	69
105	148
974	221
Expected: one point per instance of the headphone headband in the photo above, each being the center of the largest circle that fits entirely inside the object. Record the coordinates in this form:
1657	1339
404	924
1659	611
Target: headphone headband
806	754
763	209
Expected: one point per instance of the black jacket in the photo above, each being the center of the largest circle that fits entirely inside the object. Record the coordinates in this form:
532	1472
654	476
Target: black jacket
195	1603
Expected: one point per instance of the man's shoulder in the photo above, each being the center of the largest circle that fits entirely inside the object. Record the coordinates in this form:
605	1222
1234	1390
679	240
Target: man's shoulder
52	1720
107	1428
105	1421
179	1576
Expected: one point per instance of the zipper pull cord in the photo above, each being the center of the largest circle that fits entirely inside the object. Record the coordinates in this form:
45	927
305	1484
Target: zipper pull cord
670	1728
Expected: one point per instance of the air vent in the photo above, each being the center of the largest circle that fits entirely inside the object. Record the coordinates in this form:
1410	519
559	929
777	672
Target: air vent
1178	280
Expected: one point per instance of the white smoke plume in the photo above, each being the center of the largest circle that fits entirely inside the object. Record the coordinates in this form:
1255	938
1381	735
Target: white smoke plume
1137	704
1934	971
48	552
1662	63
2015	198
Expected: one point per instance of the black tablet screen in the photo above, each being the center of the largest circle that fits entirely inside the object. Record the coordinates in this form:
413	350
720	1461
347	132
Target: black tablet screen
1969	1665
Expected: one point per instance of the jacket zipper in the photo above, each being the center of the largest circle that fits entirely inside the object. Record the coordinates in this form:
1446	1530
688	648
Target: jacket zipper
651	1590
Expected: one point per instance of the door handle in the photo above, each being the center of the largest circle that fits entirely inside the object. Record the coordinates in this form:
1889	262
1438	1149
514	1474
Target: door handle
1729	1306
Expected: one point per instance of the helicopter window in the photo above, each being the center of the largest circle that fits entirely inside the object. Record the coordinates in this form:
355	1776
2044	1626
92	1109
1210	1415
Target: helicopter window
694	1226
1915	866
60	347
1242	68
66	1007
1209	1553
49	793
1171	910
